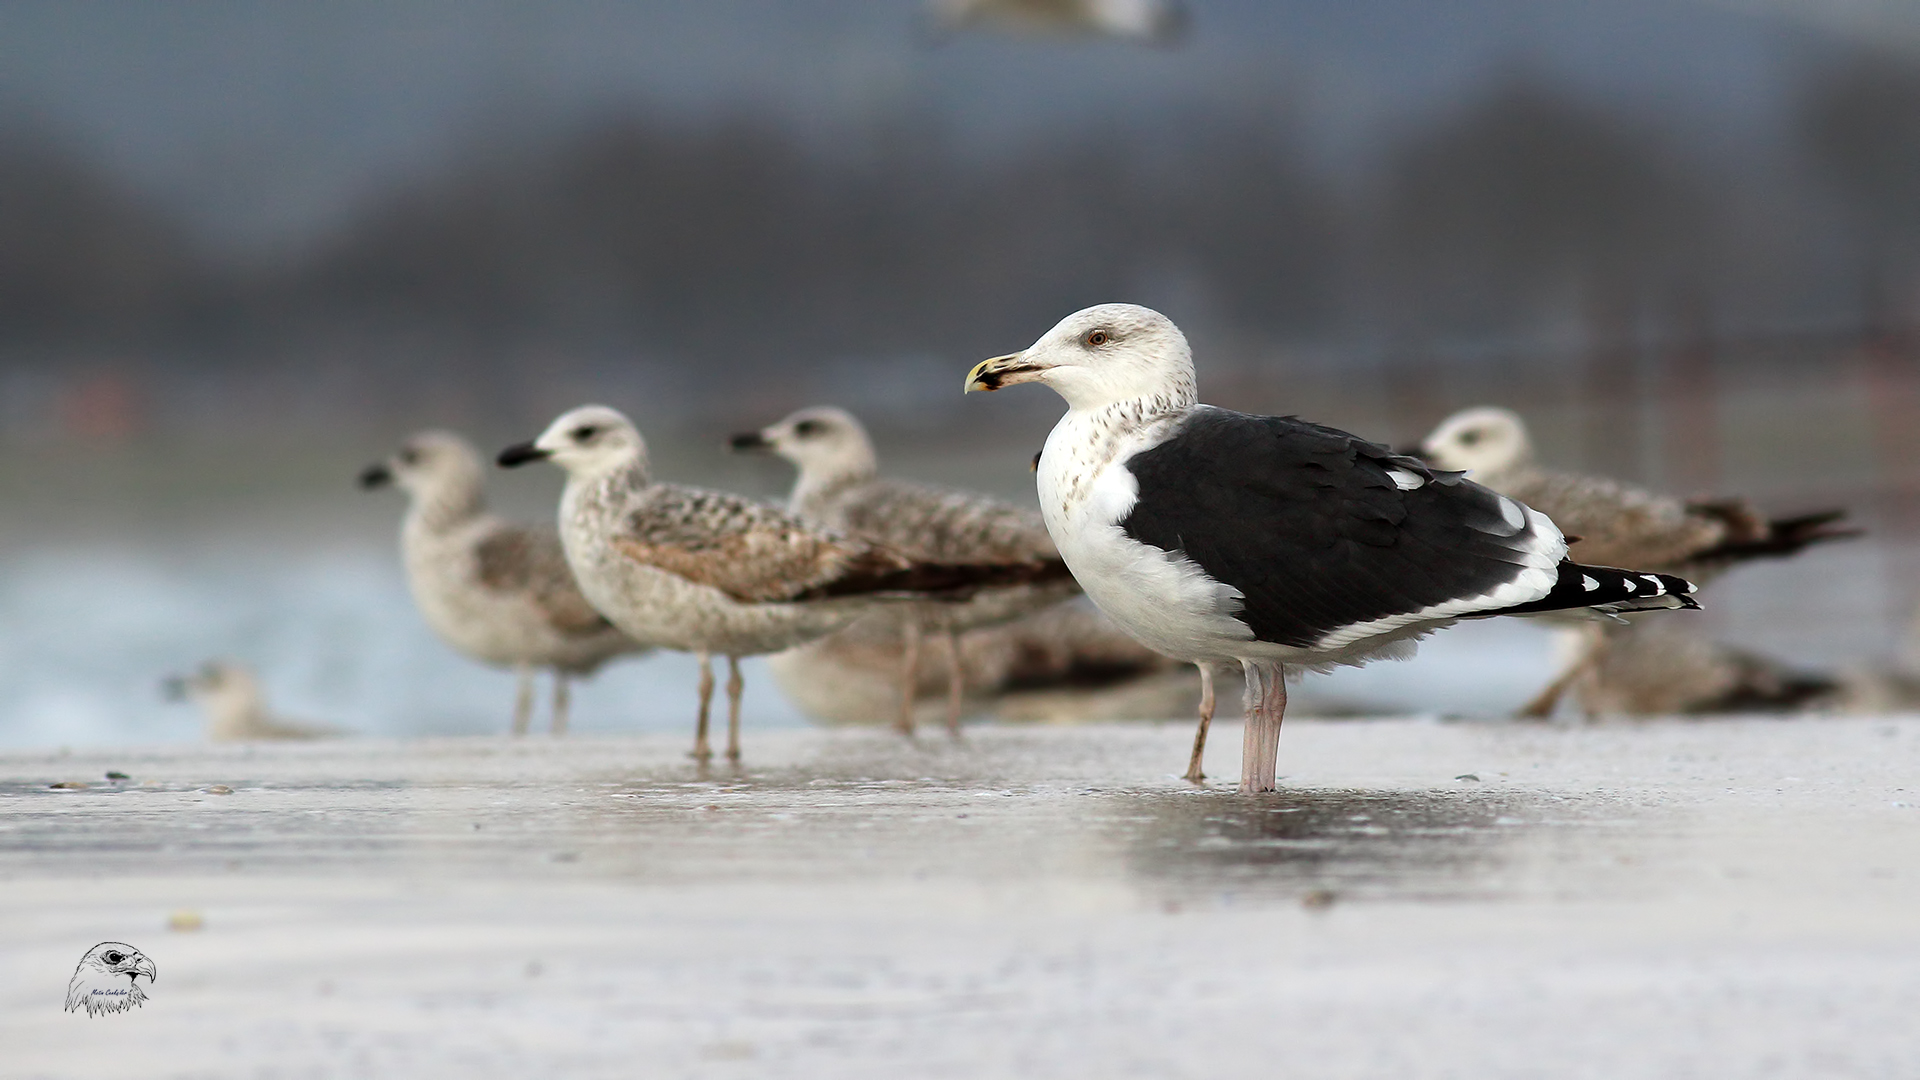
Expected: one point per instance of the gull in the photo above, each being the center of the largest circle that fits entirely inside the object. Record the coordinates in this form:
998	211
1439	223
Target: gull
709	572
1219	537
1617	523
838	488
236	709
1154	22
495	590
1069	652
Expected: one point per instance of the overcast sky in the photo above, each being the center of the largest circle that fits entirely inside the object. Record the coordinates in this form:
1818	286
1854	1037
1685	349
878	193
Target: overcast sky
264	122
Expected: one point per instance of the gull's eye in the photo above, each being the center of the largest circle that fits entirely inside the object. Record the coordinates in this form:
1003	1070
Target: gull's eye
584	432
807	429
1097	337
113	957
409	456
1470	438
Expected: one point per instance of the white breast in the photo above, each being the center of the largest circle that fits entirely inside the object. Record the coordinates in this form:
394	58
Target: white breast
1163	600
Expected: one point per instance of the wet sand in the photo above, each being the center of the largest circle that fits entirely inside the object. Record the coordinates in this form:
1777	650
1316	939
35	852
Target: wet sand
1470	899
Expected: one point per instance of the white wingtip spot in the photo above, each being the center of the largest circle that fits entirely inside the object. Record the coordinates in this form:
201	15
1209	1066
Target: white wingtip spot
1629	584
1405	480
1588	583
1513	513
1658	589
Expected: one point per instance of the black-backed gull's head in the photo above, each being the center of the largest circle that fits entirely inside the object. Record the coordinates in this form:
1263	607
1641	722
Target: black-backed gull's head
429	464
824	443
1483	441
587	441
1099	356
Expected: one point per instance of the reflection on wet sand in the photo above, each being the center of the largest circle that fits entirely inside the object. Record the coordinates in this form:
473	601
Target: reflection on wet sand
1399	844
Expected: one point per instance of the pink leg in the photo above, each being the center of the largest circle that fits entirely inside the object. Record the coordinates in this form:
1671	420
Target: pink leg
1266	706
1206	718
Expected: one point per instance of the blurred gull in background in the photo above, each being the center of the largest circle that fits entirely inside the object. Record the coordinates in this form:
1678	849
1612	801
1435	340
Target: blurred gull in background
838	488
236	707
497	591
1617	524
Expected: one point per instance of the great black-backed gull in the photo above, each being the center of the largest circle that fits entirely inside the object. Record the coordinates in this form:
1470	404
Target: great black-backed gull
1216	536
838	488
1618	524
497	591
709	572
1156	22
235	707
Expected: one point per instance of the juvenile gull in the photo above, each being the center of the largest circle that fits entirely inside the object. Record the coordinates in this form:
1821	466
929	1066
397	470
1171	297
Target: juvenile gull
709	572
498	591
1618	524
1069	652
1215	536
838	488
235	707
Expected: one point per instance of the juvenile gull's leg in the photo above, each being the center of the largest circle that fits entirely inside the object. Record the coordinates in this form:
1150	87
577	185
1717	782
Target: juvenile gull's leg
1206	719
702	750
523	700
735	684
1585	660
561	700
1266	705
956	682
909	670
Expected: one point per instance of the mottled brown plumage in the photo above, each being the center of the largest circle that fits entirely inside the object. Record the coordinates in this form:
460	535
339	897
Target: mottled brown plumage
526	560
991	562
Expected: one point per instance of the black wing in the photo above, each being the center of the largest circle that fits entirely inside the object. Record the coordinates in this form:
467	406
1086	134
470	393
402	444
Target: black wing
1307	522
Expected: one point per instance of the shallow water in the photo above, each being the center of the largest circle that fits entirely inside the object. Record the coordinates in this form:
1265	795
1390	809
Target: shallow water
87	632
1424	899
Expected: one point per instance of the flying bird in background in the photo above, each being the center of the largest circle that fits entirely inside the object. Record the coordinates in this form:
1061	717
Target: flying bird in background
1152	22
107	979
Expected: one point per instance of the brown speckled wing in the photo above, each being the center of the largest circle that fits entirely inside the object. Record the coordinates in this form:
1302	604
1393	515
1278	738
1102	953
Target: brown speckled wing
1620	525
518	559
951	527
753	552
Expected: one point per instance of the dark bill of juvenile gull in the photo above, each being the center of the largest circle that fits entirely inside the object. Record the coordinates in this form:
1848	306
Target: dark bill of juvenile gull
1215	536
